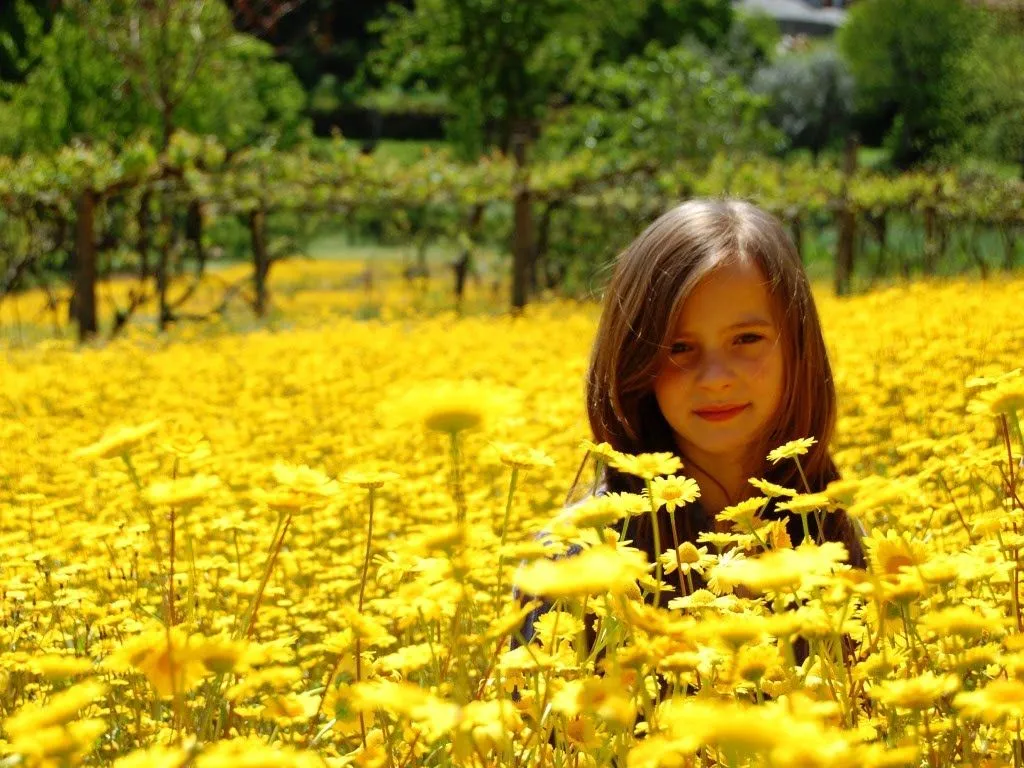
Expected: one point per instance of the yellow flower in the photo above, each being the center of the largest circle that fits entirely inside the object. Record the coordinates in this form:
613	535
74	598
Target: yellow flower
157	756
182	491
433	714
509	623
253	752
522	456
1004	395
891	553
604	698
998	700
280	500
554	626
603	451
688	558
1006	398
451	406
754	661
170	666
963	621
59	709
59	744
406	659
915	693
289	708
117	441
647	465
194	446
703	599
369	479
303	479
485	726
744	514
770	489
593	571
782	570
673	492
56	667
803	503
597	511
791	450
223	654
842	491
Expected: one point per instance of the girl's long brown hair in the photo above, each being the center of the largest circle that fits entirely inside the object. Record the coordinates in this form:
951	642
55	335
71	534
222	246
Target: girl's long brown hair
651	280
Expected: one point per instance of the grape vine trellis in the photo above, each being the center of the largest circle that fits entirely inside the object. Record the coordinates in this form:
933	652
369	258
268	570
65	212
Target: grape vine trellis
49	200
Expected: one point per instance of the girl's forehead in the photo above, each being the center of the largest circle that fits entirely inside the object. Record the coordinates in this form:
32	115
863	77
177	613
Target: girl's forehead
732	293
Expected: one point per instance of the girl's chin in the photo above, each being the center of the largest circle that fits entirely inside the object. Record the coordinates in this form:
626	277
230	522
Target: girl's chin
728	445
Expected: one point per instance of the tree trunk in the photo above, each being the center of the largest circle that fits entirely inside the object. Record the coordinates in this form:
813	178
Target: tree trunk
194	234
261	264
163	278
543	243
145	239
847	222
1009	233
931	247
462	264
84	297
880	225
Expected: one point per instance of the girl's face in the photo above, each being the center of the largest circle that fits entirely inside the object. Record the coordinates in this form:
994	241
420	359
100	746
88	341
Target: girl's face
722	382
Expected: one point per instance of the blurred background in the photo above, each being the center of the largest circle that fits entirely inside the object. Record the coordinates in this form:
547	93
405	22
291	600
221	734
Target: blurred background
162	160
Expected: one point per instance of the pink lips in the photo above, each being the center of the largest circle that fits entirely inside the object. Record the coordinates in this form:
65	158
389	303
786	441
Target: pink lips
720	413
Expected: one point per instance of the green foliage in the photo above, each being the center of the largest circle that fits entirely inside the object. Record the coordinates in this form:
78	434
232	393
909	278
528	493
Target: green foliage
500	65
111	70
497	62
996	69
669	104
909	60
73	90
21	31
665	22
751	43
811	98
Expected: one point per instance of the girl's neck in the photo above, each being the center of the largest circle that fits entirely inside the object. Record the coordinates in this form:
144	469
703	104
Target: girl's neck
723	481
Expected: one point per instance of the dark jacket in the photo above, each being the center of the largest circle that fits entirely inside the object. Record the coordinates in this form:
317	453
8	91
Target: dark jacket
838	527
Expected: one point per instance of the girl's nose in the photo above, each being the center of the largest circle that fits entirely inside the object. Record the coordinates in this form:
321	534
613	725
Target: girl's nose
715	372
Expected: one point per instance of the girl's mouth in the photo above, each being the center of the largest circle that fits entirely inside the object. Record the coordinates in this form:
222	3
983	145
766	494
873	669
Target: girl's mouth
720	414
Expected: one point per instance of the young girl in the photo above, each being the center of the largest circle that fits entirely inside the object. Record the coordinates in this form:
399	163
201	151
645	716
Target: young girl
709	346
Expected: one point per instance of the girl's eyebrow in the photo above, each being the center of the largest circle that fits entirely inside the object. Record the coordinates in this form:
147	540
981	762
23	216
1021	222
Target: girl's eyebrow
750	322
747	322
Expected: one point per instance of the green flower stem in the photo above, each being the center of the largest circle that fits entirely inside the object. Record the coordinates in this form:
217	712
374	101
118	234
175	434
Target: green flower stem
807	531
679	564
800	469
275	549
657	546
359	645
504	530
153	528
456	477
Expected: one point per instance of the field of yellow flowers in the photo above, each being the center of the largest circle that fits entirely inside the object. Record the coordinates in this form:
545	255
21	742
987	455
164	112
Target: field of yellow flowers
295	546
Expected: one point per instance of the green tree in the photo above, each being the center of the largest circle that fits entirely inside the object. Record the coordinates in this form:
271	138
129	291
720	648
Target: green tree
996	65
109	70
810	98
668	104
501	65
908	59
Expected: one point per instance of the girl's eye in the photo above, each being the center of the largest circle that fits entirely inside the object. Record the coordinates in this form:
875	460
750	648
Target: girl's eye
749	338
679	348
